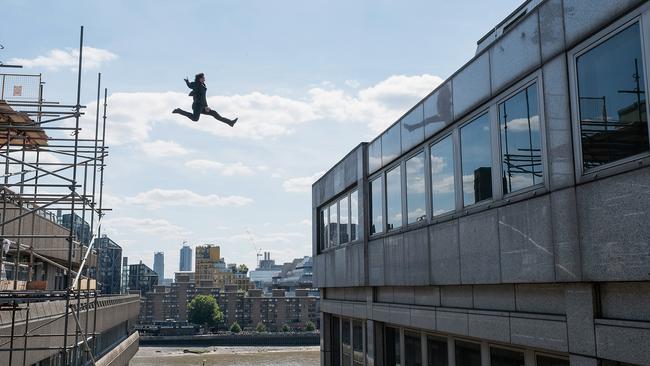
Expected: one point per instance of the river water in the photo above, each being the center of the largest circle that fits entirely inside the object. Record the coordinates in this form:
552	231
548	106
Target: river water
222	356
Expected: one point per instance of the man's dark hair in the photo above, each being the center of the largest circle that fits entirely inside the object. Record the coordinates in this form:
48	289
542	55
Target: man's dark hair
198	76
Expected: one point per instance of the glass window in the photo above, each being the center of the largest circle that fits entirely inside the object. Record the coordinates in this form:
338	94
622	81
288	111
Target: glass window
412	349
442	176
325	222
521	153
391	146
374	155
354	216
415	186
551	361
611	99
476	160
336	341
437	351
357	342
394	198
392	350
413	128
437	110
344	220
334	225
468	353
377	219
346	345
506	357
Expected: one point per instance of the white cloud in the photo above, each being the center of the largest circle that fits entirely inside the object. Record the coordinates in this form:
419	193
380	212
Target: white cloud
162	149
157	198
55	59
352	83
159	227
301	184
231	169
133	115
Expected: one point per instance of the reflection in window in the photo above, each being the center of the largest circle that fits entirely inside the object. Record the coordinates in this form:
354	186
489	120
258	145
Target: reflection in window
476	160
611	92
392	355
325	225
412	349
344	221
506	357
413	128
374	156
437	110
346	346
415	186
394	198
376	220
521	154
442	176
334	225
551	361
357	343
468	354
437	351
391	146
354	216
336	341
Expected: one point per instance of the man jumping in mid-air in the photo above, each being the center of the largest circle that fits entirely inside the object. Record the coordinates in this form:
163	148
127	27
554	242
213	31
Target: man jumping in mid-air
200	104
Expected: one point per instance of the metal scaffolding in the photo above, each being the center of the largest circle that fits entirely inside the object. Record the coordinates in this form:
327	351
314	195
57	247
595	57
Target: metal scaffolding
53	176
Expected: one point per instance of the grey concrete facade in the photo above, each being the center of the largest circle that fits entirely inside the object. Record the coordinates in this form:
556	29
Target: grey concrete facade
560	269
44	323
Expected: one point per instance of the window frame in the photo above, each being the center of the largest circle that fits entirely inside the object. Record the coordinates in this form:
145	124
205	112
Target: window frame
325	208
489	110
549	355
454	135
520	86
507	348
405	210
379	175
398	164
642	17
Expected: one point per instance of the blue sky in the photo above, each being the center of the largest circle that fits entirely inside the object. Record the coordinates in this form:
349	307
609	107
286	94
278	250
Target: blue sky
309	80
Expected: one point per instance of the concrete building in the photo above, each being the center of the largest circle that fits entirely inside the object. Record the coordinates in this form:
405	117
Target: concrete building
124	283
247	308
159	265
213	272
186	259
503	220
110	273
263	275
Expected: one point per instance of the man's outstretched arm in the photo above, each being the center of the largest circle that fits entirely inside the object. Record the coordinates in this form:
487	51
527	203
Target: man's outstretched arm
189	85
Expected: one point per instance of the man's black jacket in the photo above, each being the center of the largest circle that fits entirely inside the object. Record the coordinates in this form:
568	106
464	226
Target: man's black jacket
198	93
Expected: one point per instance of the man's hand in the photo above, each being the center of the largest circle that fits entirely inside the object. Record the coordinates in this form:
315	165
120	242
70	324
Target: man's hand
186	80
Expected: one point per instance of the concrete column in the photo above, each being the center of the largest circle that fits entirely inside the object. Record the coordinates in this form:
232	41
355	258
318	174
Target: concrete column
580	312
576	360
325	339
370	343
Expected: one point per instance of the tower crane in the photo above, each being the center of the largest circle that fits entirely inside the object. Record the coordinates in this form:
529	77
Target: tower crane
258	251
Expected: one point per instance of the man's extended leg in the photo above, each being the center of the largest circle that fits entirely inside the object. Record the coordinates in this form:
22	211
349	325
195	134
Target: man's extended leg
193	116
229	122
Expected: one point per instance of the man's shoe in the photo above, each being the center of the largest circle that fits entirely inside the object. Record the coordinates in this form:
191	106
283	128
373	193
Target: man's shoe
232	122
177	111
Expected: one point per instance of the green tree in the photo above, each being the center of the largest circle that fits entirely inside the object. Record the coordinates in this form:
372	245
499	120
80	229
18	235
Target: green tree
285	328
310	326
204	310
235	328
242	268
261	328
